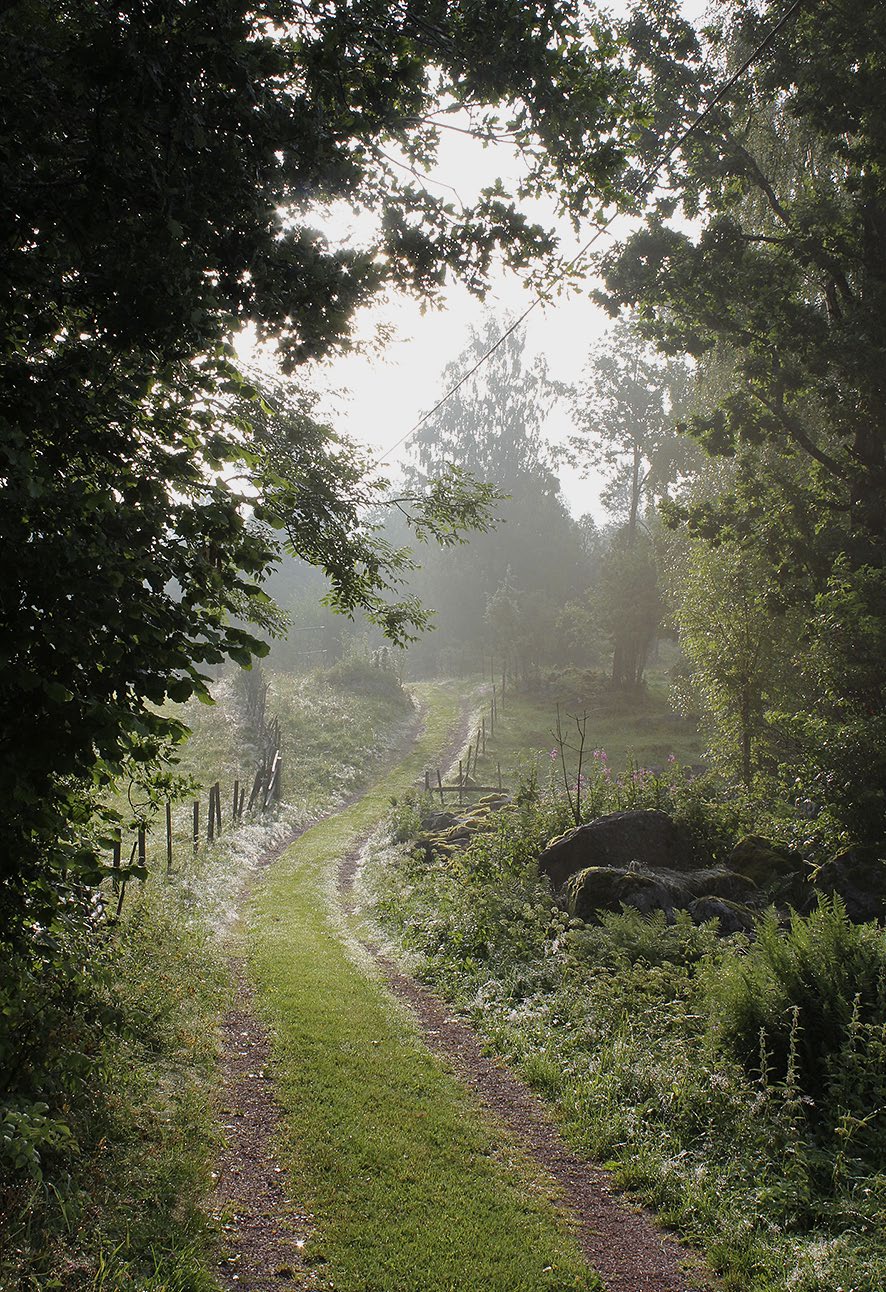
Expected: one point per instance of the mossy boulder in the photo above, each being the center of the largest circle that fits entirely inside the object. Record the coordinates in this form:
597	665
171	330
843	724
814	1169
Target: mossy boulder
764	862
645	836
734	917
720	882
440	821
448	832
608	888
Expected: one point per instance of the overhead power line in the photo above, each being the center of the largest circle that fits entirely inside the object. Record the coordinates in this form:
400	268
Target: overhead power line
649	174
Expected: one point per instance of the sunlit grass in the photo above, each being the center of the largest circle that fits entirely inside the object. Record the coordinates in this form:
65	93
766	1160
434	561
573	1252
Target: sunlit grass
643	731
412	1190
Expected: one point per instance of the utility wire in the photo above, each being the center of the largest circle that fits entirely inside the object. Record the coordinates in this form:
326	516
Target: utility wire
649	174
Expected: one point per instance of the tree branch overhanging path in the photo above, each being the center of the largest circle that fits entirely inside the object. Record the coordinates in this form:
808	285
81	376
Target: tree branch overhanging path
410	1170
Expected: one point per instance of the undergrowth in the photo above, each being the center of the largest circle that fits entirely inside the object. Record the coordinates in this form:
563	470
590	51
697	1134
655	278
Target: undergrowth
107	1028
119	1060
738	1084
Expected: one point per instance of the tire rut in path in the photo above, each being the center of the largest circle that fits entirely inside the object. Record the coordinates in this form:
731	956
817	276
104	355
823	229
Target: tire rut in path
621	1243
266	1231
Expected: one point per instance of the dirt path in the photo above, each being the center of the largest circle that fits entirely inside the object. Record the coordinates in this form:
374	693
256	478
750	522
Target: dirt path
266	1232
621	1242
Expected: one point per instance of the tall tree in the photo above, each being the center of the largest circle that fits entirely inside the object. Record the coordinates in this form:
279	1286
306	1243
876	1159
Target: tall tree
783	281
494	427
625	411
788	270
736	644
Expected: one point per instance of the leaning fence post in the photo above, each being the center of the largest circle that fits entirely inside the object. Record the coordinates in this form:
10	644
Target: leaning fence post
256	786
272	789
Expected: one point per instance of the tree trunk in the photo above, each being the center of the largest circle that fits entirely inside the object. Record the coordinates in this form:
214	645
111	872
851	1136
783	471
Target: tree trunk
746	770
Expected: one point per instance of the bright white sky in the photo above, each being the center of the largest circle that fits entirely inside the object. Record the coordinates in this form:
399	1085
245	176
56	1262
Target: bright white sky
377	398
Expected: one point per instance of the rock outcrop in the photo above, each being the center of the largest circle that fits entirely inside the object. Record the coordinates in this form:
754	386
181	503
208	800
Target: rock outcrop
648	837
608	888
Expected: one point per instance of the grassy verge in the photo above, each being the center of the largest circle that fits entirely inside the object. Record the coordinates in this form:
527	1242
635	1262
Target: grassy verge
411	1191
123	1056
332	735
738	1085
106	1109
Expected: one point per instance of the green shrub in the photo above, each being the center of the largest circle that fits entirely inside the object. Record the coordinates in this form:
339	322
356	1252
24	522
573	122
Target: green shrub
814	997
367	676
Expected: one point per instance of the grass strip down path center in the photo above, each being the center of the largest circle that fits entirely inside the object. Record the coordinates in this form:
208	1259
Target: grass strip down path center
411	1188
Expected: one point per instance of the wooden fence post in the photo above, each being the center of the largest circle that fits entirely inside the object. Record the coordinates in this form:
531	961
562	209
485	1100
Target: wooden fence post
257	782
492	715
273	773
241	802
142	848
210	816
196	826
275	782
477	751
499	777
460	790
218	815
440	788
235	799
427	782
118	847
168	838
468	766
123	882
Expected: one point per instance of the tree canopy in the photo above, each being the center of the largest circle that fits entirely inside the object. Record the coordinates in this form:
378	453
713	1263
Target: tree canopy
776	289
161	166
